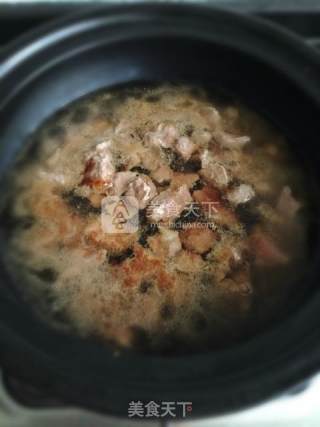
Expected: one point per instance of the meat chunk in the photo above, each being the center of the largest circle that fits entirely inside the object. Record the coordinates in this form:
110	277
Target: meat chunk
209	198
266	251
199	240
145	266
162	174
287	205
171	240
151	158
164	136
143	189
228	140
180	179
188	262
166	243
185	147
121	181
241	194
214	171
168	136
208	194
94	237
169	204
227	254
99	168
135	185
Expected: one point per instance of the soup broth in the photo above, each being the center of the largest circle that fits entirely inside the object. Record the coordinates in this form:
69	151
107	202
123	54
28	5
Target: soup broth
157	219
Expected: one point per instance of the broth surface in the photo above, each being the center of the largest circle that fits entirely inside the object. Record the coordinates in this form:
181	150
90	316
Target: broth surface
157	219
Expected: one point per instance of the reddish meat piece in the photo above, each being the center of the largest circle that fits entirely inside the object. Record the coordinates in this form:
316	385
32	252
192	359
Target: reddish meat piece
266	250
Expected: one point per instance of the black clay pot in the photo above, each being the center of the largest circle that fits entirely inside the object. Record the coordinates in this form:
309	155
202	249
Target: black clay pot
270	70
